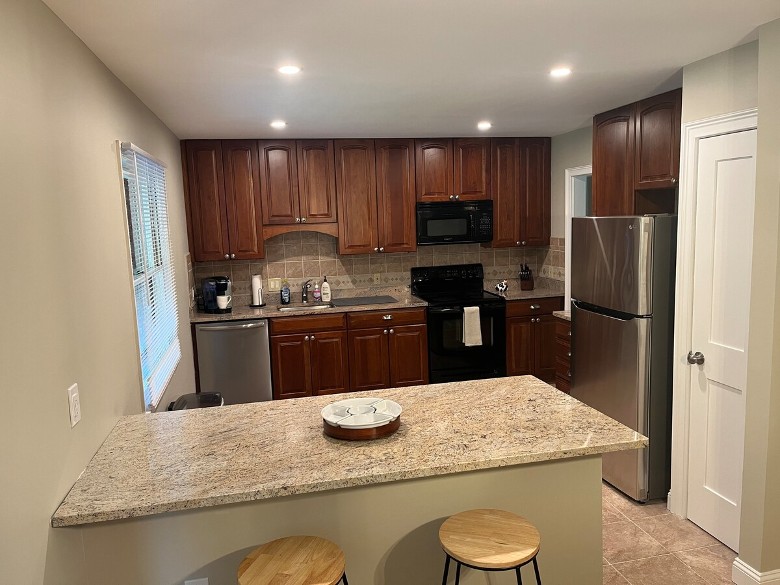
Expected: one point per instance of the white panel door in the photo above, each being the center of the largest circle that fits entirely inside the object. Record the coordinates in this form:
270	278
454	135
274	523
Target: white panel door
725	194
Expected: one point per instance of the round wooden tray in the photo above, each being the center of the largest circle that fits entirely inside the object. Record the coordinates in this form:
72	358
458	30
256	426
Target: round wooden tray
361	434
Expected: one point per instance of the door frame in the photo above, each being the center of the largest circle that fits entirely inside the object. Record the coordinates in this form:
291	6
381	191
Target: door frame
571	174
692	133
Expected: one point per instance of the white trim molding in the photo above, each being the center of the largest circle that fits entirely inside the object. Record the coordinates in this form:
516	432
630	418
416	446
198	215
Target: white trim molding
692	133
570	173
744	574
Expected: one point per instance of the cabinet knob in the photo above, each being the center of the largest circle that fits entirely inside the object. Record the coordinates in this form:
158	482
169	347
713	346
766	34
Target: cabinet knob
387	317
303	220
457	197
232	256
297	220
385	331
568	373
674	180
392	331
306	338
517	243
376	249
568	354
381	249
312	338
227	256
452	197
522	243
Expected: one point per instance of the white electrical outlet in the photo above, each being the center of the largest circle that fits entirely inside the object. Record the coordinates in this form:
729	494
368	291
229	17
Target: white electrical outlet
204	581
377	276
274	284
74	405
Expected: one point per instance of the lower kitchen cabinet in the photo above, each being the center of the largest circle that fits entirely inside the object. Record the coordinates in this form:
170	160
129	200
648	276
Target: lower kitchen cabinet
311	360
563	355
388	349
530	330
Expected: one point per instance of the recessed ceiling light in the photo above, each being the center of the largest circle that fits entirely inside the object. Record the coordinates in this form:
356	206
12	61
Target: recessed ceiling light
278	124
560	72
484	125
289	69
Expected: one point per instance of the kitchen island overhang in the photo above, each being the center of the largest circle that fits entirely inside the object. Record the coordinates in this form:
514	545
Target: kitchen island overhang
515	443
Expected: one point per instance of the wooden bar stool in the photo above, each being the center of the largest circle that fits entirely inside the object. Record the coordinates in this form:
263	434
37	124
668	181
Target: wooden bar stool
294	560
489	540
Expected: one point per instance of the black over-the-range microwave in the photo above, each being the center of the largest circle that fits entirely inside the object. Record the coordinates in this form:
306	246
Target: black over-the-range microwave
454	222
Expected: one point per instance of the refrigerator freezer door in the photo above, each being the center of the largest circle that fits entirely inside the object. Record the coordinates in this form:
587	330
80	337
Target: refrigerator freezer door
611	371
612	262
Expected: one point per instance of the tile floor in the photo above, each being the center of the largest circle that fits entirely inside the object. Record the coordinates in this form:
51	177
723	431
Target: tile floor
647	545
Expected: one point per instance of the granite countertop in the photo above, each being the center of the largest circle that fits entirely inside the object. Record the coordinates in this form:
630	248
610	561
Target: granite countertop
565	315
544	287
164	462
405	300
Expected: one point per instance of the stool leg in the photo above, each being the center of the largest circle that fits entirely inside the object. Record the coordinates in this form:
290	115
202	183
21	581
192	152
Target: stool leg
519	576
446	570
536	570
457	574
344	578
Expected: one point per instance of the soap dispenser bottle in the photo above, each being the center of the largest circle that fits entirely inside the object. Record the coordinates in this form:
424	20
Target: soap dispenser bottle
285	292
325	290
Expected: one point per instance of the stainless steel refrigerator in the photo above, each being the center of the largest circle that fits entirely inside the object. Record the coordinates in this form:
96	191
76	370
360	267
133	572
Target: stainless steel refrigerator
622	288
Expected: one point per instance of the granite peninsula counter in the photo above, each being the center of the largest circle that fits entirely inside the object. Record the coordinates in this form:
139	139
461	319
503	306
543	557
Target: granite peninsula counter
515	443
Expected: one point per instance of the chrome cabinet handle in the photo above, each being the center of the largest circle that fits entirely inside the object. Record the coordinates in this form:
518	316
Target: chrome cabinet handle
387	317
306	338
376	249
232	256
392	331
517	243
534	307
523	243
227	256
674	180
381	249
696	358
312	338
385	331
452	197
297	220
303	220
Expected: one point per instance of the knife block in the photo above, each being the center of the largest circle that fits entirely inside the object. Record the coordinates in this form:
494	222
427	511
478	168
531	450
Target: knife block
527	284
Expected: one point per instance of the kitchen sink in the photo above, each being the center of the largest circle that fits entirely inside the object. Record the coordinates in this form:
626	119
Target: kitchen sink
305	308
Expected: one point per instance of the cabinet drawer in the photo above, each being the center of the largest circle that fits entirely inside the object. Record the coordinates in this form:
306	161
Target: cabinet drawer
532	307
563	329
562	348
368	319
307	324
562	368
563	384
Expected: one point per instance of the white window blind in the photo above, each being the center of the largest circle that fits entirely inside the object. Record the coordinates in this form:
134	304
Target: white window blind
153	277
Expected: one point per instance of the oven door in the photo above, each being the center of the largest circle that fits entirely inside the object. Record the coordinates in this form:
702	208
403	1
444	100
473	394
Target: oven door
450	360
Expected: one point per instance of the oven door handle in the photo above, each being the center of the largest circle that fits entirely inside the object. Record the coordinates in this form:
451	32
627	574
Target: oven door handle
437	311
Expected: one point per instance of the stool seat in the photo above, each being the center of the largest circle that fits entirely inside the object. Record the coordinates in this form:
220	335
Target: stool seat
293	560
489	539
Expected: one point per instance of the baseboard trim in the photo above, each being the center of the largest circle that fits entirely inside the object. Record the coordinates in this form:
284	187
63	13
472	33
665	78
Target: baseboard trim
744	574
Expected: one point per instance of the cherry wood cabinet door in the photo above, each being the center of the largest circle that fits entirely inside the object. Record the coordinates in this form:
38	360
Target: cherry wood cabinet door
433	167
471	170
408	355
279	182
356	193
242	197
519	346
657	152
369	359
535	192
206	214
544	348
316	181
329	359
613	162
291	366
505	187
396	216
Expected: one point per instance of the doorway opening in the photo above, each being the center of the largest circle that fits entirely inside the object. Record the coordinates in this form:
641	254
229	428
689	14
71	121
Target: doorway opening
579	201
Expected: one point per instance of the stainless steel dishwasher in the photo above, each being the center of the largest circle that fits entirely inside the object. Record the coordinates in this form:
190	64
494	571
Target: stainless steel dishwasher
234	358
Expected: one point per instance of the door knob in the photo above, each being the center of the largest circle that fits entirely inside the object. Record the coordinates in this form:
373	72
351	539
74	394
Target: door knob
695	358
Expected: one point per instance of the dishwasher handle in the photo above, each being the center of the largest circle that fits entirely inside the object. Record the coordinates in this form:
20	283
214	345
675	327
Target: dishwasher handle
233	327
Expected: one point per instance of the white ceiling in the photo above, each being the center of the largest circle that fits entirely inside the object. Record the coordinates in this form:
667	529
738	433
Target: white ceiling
413	68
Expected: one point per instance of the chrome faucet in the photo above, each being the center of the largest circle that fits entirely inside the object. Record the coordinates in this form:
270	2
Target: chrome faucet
305	291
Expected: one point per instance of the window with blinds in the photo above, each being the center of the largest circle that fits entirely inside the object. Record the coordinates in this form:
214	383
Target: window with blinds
152	263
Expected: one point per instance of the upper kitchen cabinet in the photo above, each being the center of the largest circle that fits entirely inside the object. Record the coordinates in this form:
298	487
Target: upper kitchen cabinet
316	181
657	156
453	169
613	162
279	182
356	195
222	196
636	156
520	189
396	218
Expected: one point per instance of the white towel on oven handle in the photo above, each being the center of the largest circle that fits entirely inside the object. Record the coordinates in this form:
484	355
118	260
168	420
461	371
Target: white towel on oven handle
472	330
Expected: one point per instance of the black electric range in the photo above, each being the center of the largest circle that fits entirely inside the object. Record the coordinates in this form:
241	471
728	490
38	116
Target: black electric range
447	290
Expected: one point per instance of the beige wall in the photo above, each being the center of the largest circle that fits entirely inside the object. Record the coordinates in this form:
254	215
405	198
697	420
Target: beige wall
760	525
68	310
721	84
573	149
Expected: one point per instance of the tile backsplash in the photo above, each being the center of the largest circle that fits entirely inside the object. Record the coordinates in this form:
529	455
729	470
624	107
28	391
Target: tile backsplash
301	256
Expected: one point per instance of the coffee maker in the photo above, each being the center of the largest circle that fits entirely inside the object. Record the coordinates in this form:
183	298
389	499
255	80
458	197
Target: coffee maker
213	287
